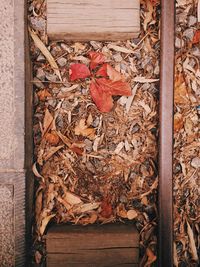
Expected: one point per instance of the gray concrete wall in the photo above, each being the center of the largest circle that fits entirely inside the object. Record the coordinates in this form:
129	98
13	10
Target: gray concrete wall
12	174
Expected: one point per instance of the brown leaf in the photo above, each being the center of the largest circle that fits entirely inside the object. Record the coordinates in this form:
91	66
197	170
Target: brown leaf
52	138
178	122
82	129
180	91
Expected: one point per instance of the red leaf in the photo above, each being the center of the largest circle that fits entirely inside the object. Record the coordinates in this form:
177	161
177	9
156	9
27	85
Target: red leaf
102	99
114	88
97	58
196	38
102	71
78	71
106	208
107	71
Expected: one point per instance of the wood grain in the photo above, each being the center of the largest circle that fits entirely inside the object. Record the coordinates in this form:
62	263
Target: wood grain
166	134
96	246
93	19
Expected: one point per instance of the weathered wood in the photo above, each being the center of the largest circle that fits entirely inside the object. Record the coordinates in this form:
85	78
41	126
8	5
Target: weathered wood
166	135
93	19
97	246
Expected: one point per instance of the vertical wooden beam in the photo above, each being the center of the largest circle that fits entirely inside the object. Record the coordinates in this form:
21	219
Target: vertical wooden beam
166	134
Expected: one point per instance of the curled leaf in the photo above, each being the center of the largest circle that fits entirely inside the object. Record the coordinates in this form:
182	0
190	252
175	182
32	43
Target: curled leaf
78	71
40	45
52	138
97	58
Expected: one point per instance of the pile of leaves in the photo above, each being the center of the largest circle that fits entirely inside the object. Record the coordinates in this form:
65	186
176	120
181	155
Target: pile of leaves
95	130
186	134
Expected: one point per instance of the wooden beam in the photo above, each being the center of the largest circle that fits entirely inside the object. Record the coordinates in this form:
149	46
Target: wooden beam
166	134
93	19
92	245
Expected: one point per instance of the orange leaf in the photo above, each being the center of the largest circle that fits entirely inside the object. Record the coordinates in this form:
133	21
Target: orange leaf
97	58
196	38
42	94
78	71
114	87
52	138
102	99
106	208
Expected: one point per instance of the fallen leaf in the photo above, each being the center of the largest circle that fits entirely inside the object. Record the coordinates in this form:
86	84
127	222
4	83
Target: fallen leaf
52	138
192	243
97	58
43	94
178	122
106	208
151	257
196	38
114	88
132	214
51	152
139	79
72	199
114	75
180	91
48	119
82	129
149	15
40	45
120	49
103	100
44	223
86	207
78	71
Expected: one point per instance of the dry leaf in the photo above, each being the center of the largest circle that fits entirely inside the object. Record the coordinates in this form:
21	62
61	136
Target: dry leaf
72	199
52	138
132	214
151	257
40	45
120	49
48	119
82	129
44	223
192	243
178	122
180	91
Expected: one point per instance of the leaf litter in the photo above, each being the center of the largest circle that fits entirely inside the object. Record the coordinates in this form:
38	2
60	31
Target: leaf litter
186	135
95	130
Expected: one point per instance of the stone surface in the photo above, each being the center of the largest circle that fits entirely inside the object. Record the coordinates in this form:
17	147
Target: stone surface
11	86
12	174
7	226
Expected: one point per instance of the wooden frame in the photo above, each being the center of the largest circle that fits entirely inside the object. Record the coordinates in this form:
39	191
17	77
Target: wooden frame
166	134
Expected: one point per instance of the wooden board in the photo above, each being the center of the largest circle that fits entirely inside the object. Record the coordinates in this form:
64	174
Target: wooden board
87	20
166	134
95	246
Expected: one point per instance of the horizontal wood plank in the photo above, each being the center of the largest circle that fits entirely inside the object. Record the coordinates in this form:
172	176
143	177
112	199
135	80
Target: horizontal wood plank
94	245
93	19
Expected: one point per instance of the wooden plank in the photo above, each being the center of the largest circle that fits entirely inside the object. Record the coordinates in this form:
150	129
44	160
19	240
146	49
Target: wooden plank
114	245
56	262
166	135
93	19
